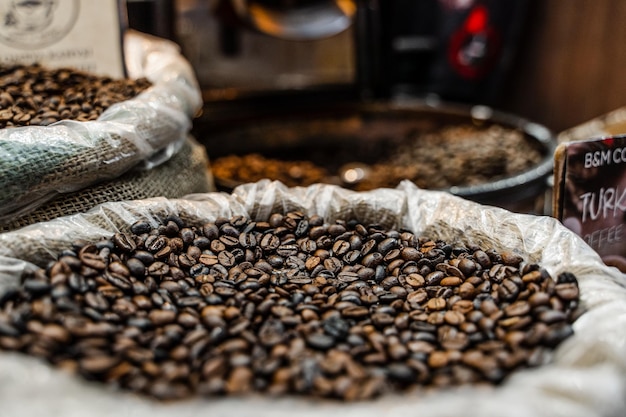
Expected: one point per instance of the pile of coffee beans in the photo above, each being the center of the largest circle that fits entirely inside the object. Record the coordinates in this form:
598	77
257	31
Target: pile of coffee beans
460	155
235	169
33	95
455	155
291	305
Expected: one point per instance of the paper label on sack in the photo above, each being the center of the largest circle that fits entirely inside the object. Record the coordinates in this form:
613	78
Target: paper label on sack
81	34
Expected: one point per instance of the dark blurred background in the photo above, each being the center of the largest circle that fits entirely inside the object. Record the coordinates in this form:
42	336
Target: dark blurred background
563	63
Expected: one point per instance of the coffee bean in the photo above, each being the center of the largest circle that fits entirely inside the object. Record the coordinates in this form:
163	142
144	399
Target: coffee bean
37	286
161	317
140	227
454	318
434	278
97	364
117	280
518	308
320	341
92	260
436	304
136	267
557	333
567	291
508	290
124	242
552	316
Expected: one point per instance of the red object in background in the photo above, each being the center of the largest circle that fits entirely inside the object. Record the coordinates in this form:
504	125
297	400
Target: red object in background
477	20
475	46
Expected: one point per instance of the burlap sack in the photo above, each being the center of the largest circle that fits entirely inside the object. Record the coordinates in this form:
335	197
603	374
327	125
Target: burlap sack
184	173
586	376
39	162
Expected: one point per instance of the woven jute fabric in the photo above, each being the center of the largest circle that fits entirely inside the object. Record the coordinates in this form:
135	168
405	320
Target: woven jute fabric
38	162
185	173
40	168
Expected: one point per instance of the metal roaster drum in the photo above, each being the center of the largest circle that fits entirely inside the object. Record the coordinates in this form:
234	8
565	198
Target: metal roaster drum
474	152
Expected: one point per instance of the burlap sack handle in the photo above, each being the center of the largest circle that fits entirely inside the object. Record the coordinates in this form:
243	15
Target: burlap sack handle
38	162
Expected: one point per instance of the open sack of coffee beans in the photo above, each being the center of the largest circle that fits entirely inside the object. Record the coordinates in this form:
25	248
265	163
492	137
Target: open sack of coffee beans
62	130
395	302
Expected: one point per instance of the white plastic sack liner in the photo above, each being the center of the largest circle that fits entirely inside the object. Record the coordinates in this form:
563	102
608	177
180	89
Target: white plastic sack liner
585	378
38	162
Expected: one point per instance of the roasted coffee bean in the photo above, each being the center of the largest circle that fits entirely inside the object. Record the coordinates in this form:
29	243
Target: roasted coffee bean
508	290
567	291
92	260
140	227
415	280
552	316
434	278
136	267
124	242
37	286
291	305
118	280
269	242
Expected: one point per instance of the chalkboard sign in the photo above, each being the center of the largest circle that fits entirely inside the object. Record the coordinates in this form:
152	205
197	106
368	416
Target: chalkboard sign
590	184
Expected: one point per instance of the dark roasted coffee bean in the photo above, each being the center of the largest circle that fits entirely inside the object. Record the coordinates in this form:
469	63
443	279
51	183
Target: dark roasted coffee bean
539	299
140	227
124	242
210	231
92	260
386	245
271	332
229	241
336	327
320	341
269	242
226	258
434	278
567	291
97	364
552	316
37	286
372	259
557	333
508	290
118	281
136	267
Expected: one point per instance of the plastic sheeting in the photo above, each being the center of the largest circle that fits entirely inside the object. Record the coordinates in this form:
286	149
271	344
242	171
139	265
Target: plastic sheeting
38	162
586	376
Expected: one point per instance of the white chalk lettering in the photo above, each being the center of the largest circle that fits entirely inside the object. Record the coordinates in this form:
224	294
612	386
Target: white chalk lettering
605	237
606	157
608	202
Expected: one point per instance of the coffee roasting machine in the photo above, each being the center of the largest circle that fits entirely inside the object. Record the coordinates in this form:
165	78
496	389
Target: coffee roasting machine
246	51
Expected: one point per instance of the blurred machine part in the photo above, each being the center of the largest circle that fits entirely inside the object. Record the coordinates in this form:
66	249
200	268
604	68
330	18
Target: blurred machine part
156	17
458	50
260	55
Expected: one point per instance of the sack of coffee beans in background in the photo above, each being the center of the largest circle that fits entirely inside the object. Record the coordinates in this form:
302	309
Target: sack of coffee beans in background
63	130
143	333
